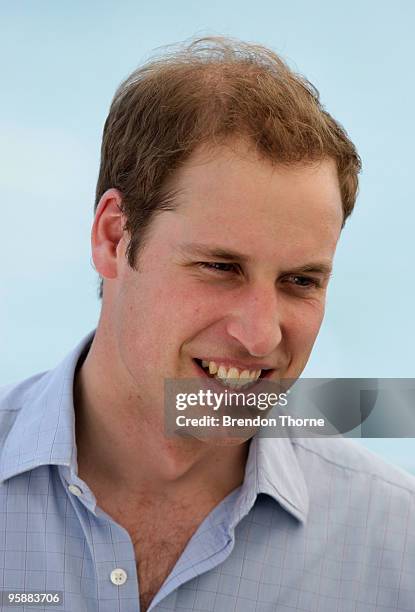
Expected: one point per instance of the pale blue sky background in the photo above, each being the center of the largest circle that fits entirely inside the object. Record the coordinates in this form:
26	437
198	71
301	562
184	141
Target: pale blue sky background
60	65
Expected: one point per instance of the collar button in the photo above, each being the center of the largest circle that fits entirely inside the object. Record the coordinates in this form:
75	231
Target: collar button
75	490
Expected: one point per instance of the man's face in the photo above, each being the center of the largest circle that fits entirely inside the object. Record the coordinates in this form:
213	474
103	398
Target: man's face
237	274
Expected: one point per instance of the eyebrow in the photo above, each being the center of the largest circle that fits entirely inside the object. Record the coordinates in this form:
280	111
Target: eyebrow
201	250
218	252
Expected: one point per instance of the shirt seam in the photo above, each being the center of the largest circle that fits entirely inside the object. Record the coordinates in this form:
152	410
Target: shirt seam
357	471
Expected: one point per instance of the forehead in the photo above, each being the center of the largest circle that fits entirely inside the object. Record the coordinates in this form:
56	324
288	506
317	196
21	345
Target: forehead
231	195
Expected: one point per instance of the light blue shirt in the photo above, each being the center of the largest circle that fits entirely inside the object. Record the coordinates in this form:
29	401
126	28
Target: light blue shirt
316	526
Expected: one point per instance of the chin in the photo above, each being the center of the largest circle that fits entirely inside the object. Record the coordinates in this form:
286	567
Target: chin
223	440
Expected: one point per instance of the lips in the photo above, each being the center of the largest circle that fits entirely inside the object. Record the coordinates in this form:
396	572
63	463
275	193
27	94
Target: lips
232	376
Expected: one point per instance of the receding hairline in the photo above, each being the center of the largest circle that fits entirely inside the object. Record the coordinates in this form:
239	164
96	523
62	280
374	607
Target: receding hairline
202	91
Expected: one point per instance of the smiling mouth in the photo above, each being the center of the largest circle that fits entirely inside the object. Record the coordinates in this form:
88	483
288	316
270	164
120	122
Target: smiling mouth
231	376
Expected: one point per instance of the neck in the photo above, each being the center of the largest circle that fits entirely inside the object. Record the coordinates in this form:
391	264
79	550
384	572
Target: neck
121	450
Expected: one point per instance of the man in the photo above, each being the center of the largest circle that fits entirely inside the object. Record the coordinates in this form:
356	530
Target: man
222	192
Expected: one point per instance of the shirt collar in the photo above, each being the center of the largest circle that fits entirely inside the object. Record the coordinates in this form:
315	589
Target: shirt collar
273	469
43	433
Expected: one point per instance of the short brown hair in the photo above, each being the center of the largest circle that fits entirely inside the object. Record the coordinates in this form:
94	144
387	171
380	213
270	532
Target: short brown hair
204	92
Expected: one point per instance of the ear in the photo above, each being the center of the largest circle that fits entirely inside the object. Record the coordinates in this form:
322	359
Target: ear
107	233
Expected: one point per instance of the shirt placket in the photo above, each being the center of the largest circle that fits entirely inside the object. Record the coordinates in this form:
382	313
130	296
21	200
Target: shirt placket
111	552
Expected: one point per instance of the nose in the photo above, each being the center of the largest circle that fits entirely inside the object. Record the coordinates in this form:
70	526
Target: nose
256	321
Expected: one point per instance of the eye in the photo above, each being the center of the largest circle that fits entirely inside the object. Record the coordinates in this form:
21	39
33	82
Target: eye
304	282
217	266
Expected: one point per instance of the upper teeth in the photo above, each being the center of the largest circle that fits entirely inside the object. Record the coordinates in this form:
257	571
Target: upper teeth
232	376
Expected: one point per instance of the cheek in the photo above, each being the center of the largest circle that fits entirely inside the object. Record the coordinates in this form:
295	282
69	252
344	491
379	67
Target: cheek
158	315
304	324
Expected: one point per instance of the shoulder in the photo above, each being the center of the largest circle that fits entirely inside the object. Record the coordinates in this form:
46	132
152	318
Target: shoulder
12	399
347	457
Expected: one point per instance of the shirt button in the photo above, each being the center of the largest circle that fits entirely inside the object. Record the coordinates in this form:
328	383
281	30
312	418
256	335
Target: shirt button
75	490
118	576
